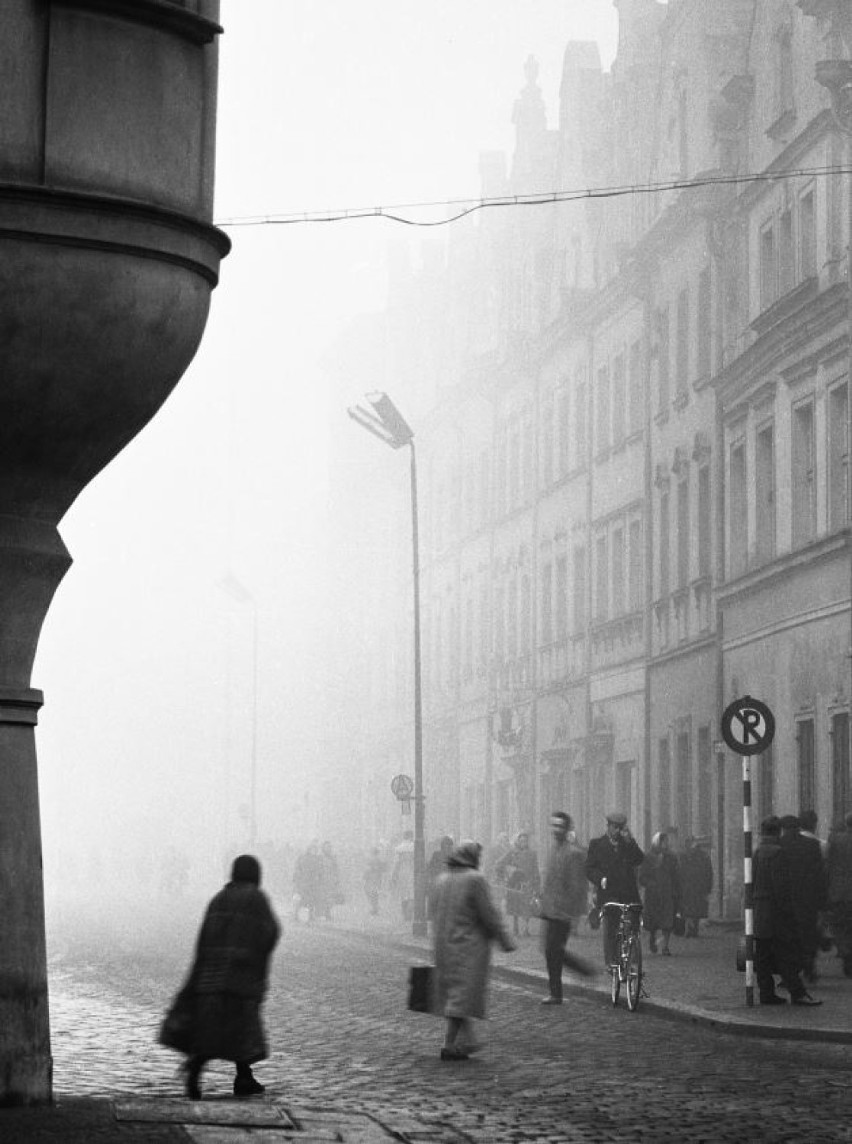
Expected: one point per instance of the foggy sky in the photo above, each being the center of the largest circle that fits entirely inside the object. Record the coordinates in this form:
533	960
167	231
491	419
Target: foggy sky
145	661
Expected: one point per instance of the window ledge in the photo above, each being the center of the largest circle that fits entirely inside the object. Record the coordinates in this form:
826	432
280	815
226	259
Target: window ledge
785	306
780	127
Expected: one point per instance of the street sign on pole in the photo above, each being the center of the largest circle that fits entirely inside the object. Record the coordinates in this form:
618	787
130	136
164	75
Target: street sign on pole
402	787
748	728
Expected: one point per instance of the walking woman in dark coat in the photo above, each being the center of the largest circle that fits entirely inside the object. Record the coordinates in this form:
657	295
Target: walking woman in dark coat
660	877
217	1013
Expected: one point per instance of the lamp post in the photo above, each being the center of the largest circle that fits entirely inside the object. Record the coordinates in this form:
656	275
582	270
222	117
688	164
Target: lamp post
387	423
232	587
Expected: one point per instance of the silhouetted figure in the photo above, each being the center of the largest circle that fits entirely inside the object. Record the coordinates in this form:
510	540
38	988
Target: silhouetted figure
217	1012
563	900
466	923
696	882
518	868
660	876
775	931
808	888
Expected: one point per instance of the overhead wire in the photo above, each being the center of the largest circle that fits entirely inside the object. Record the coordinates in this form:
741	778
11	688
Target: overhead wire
545	198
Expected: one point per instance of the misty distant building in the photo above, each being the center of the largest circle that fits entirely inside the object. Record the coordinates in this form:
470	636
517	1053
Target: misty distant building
632	419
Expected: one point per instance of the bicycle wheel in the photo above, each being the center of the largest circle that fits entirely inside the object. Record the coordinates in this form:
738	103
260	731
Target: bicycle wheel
614	983
634	974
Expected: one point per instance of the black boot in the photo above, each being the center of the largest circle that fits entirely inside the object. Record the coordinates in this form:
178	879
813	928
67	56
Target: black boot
245	1084
192	1068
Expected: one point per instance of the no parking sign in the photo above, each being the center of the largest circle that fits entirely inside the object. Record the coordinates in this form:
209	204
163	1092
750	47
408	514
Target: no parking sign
748	728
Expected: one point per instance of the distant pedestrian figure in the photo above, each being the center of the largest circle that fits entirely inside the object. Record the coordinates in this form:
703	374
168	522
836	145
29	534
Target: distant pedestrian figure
563	900
808	889
466	922
436	866
402	875
775	932
518	869
221	1000
839	866
331	894
374	875
696	882
660	876
307	882
611	868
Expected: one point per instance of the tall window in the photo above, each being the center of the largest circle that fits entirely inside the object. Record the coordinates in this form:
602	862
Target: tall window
682	379
664	766
484	632
514	467
768	266
784	71
840	764
704	323
838	456
765	774
561	597
787	253
807	763
546	603
637	388
807	235
602	434
618	594
764	477
705	781
619	401
665	555
683	538
601	577
704	520
579	590
484	487
684	784
564	431
499	621
738	510
663	360
512	619
804	475
580	416
525	615
636	558
547	435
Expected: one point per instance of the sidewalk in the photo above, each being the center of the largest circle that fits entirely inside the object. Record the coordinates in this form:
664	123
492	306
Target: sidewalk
698	983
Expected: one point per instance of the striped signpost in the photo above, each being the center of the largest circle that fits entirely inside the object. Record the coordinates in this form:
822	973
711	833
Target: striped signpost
748	728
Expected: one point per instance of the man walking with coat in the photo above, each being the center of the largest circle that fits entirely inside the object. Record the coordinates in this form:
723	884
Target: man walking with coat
563	898
775	932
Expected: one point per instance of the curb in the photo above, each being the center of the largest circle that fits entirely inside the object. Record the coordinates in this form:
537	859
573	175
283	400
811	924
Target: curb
663	1008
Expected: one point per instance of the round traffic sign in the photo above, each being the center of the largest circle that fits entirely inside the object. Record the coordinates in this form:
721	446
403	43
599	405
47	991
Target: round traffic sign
402	787
748	726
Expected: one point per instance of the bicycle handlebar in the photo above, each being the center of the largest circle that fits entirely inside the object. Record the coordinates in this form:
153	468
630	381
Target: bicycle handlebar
623	905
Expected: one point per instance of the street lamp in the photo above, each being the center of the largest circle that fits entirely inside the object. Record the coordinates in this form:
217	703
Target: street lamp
387	423
232	587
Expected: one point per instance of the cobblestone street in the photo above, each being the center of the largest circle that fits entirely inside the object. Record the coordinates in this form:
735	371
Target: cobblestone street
340	1035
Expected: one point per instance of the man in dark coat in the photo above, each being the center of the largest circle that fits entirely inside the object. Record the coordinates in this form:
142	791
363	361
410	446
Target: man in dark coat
775	932
611	867
808	889
696	878
228	980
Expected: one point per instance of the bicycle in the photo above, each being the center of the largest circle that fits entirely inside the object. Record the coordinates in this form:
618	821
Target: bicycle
628	967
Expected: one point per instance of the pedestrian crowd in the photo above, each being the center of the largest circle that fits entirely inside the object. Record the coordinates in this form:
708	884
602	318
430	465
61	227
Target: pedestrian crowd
802	899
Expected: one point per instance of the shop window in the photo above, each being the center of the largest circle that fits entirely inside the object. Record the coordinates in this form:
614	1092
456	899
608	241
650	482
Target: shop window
840	765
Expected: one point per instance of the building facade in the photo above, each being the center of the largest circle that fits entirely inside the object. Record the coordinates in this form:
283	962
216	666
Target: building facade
634	453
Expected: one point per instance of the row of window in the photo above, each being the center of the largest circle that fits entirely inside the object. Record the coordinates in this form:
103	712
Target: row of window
788	244
803	480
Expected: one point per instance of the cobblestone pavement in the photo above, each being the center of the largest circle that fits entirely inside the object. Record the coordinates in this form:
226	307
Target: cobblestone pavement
340	1036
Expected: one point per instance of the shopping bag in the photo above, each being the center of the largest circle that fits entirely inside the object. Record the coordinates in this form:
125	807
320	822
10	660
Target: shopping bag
420	988
178	1027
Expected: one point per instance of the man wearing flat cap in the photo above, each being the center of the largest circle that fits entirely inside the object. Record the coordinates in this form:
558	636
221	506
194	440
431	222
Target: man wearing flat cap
611	866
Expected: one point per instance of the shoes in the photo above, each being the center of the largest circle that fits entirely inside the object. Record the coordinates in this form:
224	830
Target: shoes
192	1073
453	1055
805	999
552	1001
247	1086
773	999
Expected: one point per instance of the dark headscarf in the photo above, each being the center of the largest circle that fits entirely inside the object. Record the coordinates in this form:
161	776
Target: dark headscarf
246	868
466	854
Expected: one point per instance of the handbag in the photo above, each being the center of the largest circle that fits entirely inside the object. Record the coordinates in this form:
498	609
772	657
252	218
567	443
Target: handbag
421	980
178	1026
679	925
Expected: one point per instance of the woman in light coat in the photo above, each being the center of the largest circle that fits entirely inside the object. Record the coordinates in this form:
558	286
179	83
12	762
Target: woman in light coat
466	922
